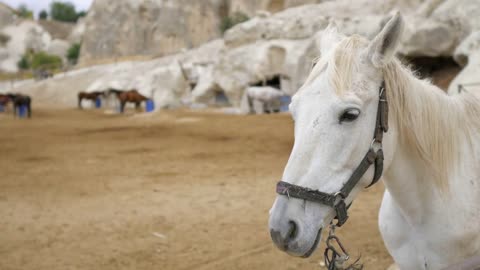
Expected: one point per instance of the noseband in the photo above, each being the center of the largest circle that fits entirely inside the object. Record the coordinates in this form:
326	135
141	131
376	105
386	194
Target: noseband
374	156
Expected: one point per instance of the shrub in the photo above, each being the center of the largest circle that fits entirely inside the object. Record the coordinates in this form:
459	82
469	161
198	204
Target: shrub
42	60
73	53
23	63
230	21
43	15
24	12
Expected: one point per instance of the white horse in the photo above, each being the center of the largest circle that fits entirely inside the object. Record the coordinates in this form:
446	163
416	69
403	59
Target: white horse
430	213
268	96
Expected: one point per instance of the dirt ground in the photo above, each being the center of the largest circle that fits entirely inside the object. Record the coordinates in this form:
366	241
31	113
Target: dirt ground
176	190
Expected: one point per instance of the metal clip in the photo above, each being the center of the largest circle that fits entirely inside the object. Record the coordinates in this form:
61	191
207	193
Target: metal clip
336	259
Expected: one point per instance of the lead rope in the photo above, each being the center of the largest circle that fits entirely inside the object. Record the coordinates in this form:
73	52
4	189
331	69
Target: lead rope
336	256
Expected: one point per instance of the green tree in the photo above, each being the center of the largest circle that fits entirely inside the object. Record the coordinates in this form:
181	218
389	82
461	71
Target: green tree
63	11
23	63
42	60
230	21
43	15
73	53
24	12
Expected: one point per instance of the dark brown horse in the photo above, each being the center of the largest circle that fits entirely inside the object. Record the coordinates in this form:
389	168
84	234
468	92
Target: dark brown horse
93	96
20	100
131	96
4	100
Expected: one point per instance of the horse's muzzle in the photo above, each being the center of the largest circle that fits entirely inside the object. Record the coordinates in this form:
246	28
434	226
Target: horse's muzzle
290	230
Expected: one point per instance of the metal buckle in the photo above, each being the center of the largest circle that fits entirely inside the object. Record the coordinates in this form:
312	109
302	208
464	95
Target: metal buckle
375	145
341	210
382	89
339	194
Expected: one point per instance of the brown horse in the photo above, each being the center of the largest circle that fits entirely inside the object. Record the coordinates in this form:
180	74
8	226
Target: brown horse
4	100
93	96
131	96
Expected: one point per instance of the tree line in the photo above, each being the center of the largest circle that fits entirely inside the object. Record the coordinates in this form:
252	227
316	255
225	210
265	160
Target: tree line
58	11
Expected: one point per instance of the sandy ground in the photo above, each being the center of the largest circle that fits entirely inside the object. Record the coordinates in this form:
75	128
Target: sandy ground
177	190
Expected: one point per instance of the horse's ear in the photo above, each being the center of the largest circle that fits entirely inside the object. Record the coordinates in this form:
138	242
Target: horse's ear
329	37
384	46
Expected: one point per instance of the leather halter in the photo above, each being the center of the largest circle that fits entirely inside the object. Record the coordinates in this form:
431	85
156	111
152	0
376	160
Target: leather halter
374	156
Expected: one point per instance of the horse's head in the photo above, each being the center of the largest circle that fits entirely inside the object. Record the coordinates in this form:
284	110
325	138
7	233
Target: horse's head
335	115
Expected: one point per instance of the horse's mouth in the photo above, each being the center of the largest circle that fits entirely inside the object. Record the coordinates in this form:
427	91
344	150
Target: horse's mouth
314	246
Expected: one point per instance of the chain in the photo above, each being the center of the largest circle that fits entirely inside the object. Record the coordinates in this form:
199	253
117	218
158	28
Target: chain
336	258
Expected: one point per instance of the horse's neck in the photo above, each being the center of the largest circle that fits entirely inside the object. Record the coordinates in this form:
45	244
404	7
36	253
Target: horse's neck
411	181
408	183
454	214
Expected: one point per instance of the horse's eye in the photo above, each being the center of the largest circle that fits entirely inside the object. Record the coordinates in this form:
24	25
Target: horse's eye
349	115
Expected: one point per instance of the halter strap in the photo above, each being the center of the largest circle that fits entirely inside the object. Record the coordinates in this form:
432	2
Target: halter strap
374	156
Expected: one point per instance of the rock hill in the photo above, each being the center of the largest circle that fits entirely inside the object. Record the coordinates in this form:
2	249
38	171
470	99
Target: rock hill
124	28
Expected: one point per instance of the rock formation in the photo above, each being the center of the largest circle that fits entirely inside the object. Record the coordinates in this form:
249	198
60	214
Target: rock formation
122	28
58	30
26	35
18	35
76	35
130	27
7	15
438	27
22	36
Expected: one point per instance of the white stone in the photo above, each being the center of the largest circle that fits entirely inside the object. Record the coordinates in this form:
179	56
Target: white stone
23	36
468	53
468	46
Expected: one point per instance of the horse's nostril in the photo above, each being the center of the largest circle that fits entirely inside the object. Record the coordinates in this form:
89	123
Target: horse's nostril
292	233
284	237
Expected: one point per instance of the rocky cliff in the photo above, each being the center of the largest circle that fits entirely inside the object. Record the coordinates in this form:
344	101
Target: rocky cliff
122	28
143	27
